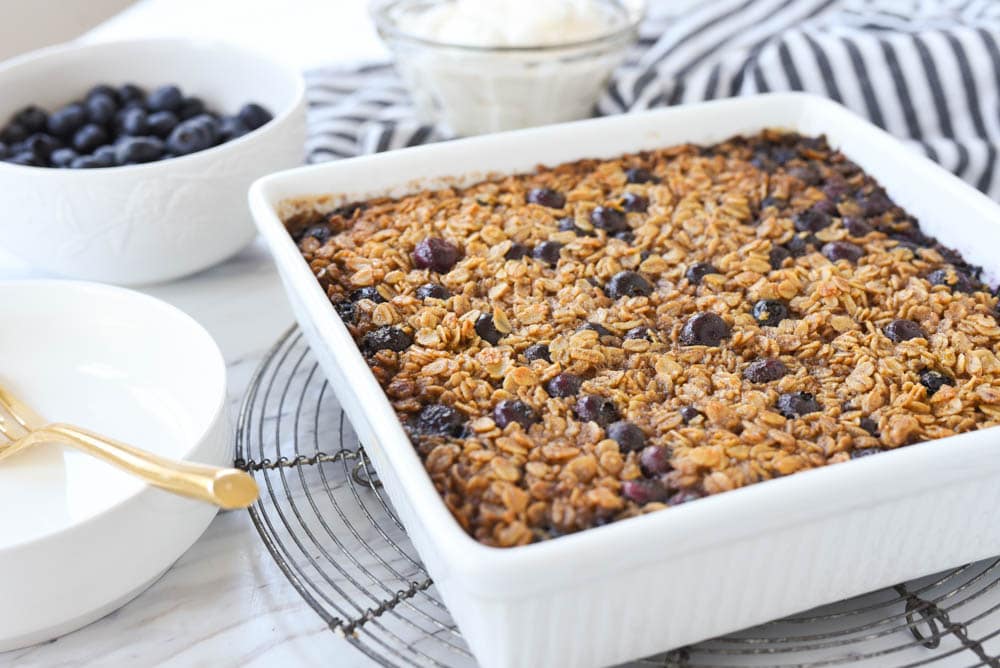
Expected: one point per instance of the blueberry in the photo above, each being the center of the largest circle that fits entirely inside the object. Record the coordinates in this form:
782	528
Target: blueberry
564	385
439	420
547	252
593	408
193	135
106	156
934	381
596	327
608	219
698	271
231	128
642	491
777	256
537	351
654	460
3	150
634	203
32	119
164	98
368	292
85	162
765	370
903	330
628	436
134	150
704	329
41	145
134	122
103	90
25	159
512	410
639	175
436	254
432	291
62	157
346	310
869	425
857	227
957	281
517	251
628	284
130	93
797	404
101	109
689	413
14	133
546	197
66	121
193	106
162	123
770	312
89	137
487	329
639	332
843	250
811	220
385	338
253	115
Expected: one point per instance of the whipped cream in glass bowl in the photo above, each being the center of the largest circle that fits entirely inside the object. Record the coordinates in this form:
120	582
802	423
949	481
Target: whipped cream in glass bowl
478	66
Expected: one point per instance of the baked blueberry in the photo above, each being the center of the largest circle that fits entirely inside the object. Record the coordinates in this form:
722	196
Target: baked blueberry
346	310
433	291
704	329
635	203
546	197
385	338
765	370
547	252
368	292
608	219
857	227
777	256
956	280
869	425
253	115
89	137
801	244
796	404
809	174
628	284
874	203
843	250
689	413
811	220
644	491
513	410
770	312
698	271
639	332
684	496
569	225
537	351
64	122
772	201
639	175
162	123
629	437
436	254
594	408
934	381
439	420
654	460
564	385
487	329
133	150
903	330
517	251
164	98
320	232
595	327
864	452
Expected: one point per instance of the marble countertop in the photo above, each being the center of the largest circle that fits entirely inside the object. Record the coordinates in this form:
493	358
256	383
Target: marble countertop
224	603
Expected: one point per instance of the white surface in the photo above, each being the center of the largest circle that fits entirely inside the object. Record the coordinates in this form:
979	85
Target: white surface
70	524
147	223
661	580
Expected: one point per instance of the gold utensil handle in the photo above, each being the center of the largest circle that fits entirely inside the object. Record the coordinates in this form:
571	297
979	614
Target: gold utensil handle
227	488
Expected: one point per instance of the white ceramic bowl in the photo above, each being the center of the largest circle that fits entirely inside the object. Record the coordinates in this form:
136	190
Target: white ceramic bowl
730	561
157	221
78	538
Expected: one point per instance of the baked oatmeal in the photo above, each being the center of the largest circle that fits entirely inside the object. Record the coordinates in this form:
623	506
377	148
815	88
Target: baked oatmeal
611	337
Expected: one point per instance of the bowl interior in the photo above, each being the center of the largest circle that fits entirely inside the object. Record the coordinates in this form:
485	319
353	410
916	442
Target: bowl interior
223	75
108	359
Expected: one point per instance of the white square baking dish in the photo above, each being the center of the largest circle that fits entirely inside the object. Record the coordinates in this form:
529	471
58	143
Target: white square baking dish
669	578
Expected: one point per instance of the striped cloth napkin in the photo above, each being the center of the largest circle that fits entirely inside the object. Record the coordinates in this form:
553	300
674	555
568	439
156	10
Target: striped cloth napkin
928	71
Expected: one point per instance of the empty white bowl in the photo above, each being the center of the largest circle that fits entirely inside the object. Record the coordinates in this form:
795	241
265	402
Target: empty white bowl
78	537
157	221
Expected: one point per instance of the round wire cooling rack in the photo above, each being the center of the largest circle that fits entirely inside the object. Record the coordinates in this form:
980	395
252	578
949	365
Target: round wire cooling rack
331	530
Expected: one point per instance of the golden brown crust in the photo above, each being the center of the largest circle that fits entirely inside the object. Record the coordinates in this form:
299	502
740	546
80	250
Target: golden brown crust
512	486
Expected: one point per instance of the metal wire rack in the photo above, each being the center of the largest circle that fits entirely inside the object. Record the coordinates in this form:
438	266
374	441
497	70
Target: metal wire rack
333	533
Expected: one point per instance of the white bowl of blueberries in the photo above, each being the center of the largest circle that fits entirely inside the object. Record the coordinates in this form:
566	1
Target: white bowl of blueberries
129	162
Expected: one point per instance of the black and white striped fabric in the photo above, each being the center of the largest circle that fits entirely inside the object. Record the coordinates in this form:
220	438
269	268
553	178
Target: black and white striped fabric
928	71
